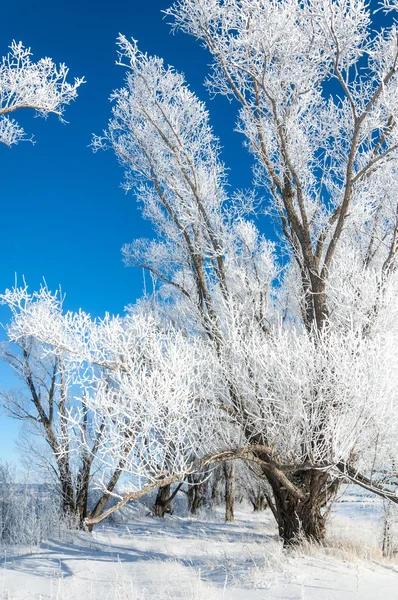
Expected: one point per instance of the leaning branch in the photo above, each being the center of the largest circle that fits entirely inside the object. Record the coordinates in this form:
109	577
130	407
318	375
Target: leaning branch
250	453
367	484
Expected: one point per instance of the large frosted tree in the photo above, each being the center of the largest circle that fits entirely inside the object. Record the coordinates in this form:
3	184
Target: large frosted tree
317	91
287	350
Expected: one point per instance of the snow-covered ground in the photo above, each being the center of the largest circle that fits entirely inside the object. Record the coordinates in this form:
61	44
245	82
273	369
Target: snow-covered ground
205	559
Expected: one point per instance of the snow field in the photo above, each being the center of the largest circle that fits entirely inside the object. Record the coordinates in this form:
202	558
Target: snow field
205	559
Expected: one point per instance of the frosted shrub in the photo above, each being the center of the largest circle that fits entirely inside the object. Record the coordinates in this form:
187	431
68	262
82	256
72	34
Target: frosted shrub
28	513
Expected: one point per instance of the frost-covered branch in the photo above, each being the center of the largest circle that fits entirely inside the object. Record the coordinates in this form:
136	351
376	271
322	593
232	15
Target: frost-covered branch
41	86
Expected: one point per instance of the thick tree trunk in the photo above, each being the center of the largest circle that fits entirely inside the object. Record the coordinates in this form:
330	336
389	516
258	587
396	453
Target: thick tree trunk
163	502
301	518
81	508
229	474
164	499
68	501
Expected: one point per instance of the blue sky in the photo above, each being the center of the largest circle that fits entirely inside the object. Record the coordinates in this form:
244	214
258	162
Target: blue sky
64	216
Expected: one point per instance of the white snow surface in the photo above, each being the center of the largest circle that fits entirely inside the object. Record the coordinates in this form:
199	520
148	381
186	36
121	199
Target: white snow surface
205	559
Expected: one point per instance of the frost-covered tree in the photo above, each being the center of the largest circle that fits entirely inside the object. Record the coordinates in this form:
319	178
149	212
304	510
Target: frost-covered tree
144	384
284	353
41	86
307	364
44	403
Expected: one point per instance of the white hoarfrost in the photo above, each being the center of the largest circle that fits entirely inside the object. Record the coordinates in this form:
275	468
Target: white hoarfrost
281	353
41	86
147	387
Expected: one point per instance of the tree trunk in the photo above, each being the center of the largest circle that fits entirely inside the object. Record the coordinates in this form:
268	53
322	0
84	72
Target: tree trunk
258	502
216	488
82	495
81	508
68	494
301	518
197	489
229	474
163	502
107	494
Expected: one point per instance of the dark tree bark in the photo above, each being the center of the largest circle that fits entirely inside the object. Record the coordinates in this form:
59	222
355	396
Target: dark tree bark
216	488
301	517
164	500
67	489
229	474
197	490
163	503
82	489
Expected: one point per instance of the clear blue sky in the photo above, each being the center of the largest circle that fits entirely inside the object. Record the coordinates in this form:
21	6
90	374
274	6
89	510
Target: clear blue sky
64	216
